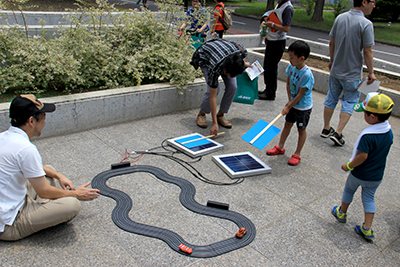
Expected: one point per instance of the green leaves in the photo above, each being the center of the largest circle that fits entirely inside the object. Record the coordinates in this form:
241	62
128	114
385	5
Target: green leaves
340	6
309	6
101	49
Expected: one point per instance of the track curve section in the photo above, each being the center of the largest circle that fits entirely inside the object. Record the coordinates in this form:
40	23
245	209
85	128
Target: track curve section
120	214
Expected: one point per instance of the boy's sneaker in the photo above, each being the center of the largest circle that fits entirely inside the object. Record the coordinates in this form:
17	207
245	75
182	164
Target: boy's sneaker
339	215
337	139
368	234
326	133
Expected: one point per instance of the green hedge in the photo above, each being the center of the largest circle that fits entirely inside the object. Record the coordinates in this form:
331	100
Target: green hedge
132	48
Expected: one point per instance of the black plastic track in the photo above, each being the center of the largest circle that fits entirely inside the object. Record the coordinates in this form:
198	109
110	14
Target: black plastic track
120	214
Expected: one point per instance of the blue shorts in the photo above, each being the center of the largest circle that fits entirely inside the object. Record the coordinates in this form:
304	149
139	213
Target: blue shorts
367	192
350	96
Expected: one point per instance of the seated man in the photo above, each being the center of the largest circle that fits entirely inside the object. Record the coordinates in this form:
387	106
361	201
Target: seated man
216	58
29	200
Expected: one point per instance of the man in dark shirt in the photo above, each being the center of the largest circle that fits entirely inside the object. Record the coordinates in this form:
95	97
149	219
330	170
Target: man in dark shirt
219	58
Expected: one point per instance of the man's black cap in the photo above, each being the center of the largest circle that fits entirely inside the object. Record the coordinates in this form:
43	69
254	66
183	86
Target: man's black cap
24	106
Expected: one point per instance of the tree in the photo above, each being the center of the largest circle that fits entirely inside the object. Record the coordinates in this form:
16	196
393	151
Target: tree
386	10
186	4
270	5
318	11
309	5
339	6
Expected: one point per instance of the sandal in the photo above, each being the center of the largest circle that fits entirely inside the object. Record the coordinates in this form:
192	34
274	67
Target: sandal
294	160
275	151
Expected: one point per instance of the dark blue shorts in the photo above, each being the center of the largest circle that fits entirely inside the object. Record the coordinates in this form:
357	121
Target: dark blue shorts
300	117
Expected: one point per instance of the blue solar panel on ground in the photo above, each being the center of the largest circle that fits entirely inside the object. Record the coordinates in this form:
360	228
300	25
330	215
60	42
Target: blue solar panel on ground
194	148
202	147
195	145
241	163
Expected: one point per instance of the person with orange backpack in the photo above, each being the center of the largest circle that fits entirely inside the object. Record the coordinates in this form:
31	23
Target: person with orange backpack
218	27
275	44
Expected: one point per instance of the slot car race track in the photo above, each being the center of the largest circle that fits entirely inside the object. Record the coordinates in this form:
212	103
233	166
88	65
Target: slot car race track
120	214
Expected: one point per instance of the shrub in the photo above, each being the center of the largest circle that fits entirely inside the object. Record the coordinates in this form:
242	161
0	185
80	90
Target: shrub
101	50
309	6
340	6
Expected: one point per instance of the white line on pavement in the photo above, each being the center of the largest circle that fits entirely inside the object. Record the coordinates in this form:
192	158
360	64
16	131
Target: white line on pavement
386	53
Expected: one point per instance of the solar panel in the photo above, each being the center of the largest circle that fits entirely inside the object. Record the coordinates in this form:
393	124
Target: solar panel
241	164
195	148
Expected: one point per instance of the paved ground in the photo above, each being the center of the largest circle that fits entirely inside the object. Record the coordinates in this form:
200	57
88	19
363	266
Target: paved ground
290	207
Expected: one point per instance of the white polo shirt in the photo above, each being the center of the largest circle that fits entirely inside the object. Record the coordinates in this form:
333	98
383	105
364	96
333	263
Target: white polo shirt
19	160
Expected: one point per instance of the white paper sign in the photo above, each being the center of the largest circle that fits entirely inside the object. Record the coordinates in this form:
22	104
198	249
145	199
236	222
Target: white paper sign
336	165
365	89
255	70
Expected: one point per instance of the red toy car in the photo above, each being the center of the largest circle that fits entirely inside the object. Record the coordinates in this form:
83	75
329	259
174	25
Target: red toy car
185	249
242	231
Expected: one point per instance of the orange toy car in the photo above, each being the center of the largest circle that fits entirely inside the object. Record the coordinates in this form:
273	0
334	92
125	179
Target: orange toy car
186	249
242	231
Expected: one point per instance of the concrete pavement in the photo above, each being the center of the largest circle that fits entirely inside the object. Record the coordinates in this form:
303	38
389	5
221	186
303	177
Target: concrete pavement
290	207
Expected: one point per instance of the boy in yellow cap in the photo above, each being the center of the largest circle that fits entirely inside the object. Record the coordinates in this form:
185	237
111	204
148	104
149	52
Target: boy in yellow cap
368	161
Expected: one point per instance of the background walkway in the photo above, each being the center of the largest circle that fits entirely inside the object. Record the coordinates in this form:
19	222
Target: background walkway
290	207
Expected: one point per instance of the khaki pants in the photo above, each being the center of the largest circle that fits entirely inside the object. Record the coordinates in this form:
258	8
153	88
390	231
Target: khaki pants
38	213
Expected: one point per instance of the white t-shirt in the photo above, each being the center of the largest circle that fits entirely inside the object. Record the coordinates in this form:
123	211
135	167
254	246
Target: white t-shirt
19	160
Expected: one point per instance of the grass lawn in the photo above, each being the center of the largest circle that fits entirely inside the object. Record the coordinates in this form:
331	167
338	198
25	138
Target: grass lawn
383	32
387	34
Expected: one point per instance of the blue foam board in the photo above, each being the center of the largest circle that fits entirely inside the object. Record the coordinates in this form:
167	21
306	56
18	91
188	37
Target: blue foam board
265	138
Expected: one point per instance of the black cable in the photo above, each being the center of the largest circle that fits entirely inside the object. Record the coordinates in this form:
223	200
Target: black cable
187	165
191	169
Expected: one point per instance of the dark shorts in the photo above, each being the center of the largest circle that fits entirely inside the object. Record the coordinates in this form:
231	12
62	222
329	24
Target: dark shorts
301	117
